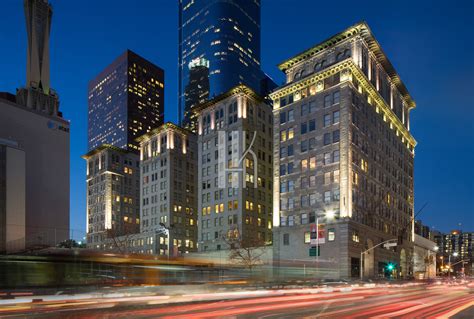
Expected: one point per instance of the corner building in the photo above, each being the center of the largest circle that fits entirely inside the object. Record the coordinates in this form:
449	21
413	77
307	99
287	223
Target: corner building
168	190
235	172
343	161
112	195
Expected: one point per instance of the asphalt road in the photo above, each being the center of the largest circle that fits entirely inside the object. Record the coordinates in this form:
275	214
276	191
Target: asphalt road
421	301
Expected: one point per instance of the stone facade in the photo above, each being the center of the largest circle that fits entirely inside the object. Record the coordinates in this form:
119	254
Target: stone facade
235	186
168	189
112	194
343	157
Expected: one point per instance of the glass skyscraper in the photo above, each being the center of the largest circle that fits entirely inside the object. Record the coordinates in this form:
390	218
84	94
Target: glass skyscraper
226	34
126	100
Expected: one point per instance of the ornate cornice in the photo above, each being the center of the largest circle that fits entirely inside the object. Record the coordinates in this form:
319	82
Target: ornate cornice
348	70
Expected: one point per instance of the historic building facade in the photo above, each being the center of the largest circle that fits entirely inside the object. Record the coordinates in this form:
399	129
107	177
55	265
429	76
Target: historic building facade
343	159
168	193
235	171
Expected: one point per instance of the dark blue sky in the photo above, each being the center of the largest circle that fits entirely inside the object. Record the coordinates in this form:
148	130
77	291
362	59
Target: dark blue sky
430	43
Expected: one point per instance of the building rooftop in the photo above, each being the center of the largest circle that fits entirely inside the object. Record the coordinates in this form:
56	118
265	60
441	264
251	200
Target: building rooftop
238	89
101	148
164	127
363	30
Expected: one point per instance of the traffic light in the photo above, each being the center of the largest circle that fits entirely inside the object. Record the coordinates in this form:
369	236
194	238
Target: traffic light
390	267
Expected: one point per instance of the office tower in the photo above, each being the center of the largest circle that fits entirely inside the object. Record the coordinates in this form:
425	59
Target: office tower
12	197
126	100
235	169
37	94
226	33
37	134
168	190
196	91
344	153
113	196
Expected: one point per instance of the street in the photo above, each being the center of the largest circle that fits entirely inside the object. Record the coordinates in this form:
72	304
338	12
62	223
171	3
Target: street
366	301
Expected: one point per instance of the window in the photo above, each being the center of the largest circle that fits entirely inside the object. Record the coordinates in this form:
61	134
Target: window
291	186
304	200
307	237
283	152
331	234
327	178
355	236
286	239
336	195
327	138
312	199
282	117
282	169
304	218
291	133
304	146
312	181
327	158
335	156
335	97
312	143
327	101
283	136
304	182
291	220
304	128
327	120
290	168
304	165
291	116
335	117
304	109
312	106
312	125
335	136
336	176
290	150
327	197
312	163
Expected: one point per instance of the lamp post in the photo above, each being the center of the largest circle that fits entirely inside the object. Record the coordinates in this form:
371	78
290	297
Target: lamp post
329	215
455	254
366	251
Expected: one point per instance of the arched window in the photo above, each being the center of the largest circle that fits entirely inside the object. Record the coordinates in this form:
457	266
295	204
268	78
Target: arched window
340	56
302	73
347	53
297	76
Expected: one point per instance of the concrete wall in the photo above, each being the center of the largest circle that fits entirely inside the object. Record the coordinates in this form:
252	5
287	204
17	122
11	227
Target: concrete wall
45	140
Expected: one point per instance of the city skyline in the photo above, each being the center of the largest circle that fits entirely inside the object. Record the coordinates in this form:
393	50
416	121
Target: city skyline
432	142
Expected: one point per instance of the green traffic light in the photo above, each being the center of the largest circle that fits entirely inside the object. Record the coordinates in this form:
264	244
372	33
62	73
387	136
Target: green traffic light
390	266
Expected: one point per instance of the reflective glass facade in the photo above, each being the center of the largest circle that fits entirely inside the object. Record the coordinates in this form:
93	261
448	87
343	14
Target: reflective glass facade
226	33
126	100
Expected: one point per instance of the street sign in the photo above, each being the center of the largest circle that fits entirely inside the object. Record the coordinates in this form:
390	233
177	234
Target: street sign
315	241
313	251
388	245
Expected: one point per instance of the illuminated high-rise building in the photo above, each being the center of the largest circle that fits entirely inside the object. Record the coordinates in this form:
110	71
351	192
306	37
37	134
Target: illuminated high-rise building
196	91
344	160
126	100
226	33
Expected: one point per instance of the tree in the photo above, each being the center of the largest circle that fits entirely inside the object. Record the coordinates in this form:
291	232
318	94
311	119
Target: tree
247	251
71	243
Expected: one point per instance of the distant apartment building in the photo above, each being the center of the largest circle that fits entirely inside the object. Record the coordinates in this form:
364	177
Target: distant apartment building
235	172
12	197
168	189
113	195
35	148
126	100
457	241
343	160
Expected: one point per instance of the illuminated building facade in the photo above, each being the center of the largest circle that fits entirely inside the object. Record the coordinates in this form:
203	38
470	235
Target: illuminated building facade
126	100
112	195
168	190
235	186
226	33
196	91
457	241
343	159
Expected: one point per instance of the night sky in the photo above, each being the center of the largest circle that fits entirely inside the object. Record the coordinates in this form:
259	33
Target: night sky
430	44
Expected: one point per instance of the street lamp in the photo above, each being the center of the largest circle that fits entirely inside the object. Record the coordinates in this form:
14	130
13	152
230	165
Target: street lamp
455	254
328	215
